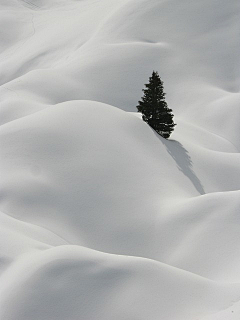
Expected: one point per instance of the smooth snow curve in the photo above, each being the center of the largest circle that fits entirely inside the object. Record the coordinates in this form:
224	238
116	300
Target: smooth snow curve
101	218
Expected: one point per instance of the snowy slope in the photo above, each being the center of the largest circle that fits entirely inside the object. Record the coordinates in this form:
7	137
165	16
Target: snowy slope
101	218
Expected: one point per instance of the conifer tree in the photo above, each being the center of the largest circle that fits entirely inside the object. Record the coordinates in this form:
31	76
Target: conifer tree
154	108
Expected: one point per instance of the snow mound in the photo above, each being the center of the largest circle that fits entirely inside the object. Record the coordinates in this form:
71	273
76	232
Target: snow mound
69	282
101	218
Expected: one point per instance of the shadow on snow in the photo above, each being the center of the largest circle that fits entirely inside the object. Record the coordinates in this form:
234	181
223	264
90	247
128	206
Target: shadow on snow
183	161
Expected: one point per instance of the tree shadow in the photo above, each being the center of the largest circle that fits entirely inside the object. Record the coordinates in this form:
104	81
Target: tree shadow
183	161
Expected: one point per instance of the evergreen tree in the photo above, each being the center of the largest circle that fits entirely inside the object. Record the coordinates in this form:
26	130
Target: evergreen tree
154	108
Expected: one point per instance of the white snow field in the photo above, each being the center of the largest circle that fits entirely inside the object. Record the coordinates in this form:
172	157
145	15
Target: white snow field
101	218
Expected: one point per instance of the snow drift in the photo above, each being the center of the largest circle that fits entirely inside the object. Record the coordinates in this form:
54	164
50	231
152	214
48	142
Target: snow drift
101	217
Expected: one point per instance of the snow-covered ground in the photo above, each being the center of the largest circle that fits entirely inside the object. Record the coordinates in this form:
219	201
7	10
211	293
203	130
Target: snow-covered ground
101	218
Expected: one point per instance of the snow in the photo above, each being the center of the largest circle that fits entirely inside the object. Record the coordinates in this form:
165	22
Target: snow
101	218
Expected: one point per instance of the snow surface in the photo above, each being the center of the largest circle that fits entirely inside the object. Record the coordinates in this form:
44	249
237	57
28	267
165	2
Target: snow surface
101	218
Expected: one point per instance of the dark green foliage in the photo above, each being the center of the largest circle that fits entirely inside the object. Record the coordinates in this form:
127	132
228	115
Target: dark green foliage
154	108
